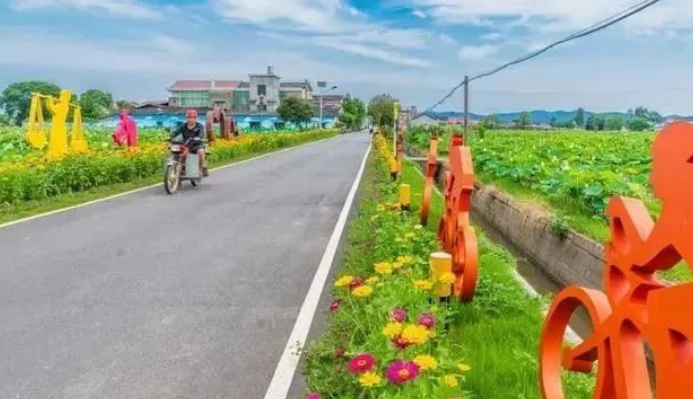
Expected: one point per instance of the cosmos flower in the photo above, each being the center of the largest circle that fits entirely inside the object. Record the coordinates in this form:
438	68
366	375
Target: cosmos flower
401	372
362	363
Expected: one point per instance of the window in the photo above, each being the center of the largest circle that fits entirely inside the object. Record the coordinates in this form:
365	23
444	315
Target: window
261	90
255	126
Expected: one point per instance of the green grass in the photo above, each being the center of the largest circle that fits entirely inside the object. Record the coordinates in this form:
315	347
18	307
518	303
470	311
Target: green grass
500	330
9	213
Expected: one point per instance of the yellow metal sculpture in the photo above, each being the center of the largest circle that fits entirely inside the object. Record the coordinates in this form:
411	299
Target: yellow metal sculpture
57	139
36	127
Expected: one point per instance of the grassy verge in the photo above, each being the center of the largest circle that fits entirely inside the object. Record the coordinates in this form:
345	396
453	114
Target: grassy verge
11	212
486	349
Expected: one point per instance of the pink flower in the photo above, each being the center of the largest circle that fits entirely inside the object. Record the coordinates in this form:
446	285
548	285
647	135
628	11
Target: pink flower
362	363
428	321
335	305
399	315
313	395
400	343
401	372
356	283
339	352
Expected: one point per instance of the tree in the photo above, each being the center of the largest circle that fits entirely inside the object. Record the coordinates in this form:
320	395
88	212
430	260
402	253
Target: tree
638	124
295	110
595	122
652	116
353	113
553	122
125	104
16	98
614	123
381	109
524	121
580	117
96	104
490	122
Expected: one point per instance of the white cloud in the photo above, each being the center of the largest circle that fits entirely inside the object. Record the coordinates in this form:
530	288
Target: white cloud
557	15
419	14
122	8
312	15
446	38
171	44
493	36
477	53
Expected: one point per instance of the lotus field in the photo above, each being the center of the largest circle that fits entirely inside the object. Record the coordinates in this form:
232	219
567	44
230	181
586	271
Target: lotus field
580	167
27	175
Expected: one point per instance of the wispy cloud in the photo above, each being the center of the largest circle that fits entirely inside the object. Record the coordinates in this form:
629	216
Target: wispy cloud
311	15
445	38
121	8
493	36
419	14
477	53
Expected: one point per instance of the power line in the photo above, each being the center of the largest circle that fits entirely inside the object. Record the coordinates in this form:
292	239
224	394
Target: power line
599	26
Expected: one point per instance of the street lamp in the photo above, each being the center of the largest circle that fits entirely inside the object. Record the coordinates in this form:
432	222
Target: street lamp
322	94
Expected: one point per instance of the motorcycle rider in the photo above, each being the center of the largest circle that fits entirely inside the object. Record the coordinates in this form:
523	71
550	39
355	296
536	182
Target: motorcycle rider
194	131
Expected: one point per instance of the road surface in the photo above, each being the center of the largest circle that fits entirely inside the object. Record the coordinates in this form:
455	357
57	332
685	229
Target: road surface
191	296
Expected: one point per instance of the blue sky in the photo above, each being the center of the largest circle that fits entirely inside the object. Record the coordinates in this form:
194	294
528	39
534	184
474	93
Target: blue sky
413	49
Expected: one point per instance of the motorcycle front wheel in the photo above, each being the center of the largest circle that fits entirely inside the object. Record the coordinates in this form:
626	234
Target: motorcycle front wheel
171	178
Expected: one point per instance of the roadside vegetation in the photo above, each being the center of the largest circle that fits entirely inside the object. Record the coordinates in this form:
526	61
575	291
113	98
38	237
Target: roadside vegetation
387	338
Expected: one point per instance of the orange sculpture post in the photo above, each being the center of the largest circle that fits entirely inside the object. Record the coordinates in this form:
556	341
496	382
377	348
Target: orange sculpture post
455	231
219	116
430	177
636	306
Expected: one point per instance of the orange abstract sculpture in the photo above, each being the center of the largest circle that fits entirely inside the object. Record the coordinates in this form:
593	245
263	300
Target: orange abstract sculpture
455	231
430	177
637	307
225	125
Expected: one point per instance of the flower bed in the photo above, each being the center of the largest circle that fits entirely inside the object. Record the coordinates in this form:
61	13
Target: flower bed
36	178
387	338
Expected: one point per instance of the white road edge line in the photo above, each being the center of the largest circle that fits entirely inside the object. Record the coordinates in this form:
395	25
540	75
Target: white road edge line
288	363
570	333
137	190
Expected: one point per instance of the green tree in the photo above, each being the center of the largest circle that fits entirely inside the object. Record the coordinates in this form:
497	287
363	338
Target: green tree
652	116
353	113
614	123
553	122
96	104
524	121
125	104
580	117
295	110
639	124
15	100
381	109
595	122
490	122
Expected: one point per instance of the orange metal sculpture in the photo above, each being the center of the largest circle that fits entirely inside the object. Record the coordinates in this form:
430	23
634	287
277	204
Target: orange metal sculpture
225	122
430	177
455	231
637	307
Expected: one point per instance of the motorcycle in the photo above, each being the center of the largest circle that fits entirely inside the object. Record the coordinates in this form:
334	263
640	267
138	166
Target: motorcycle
181	165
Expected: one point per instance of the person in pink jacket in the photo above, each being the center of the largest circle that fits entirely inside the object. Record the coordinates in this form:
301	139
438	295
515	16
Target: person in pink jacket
126	132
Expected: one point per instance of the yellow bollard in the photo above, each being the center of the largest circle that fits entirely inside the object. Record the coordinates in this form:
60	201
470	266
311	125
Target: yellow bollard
441	263
405	196
393	168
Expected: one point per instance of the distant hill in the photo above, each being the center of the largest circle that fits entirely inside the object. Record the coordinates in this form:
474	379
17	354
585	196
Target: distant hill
542	116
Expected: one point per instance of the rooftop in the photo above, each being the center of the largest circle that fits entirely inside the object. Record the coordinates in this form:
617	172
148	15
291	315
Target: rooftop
204	84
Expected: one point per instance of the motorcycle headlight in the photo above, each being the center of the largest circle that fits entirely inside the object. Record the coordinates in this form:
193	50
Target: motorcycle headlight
175	148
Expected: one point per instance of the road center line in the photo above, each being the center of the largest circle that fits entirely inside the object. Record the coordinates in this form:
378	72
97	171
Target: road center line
288	363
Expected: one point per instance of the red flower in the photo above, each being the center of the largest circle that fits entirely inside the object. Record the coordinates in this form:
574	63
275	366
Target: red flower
401	372
356	283
400	343
335	305
362	363
399	315
428	321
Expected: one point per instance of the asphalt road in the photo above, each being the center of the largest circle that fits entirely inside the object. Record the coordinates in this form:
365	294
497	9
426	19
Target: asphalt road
191	296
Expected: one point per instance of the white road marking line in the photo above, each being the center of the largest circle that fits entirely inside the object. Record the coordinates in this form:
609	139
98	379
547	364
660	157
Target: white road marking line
288	363
572	336
137	190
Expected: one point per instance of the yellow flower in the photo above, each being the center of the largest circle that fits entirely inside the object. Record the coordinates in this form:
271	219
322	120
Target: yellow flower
404	259
416	335
448	278
451	381
370	380
397	265
380	208
383	268
373	280
425	362
423	285
344	281
362	291
418	227
463	367
392	330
